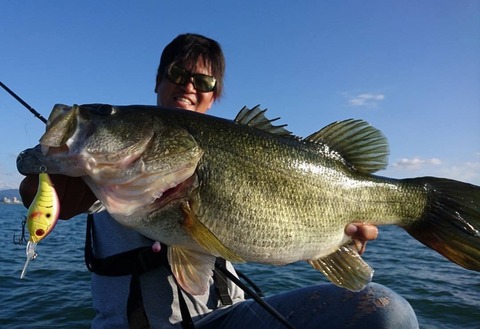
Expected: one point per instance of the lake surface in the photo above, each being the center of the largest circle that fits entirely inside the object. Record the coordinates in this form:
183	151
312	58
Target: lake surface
56	290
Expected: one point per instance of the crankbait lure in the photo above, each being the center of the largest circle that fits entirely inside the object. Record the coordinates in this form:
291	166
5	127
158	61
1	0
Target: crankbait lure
41	217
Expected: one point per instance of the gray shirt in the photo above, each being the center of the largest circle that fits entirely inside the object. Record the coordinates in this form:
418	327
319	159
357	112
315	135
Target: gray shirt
159	291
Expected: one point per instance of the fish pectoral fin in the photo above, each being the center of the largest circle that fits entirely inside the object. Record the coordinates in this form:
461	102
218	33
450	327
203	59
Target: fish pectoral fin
191	269
205	238
345	268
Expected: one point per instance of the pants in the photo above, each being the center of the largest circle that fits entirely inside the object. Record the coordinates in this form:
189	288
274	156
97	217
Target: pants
322	306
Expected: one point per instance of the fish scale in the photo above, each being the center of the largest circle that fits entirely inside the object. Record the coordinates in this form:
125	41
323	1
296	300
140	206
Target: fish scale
300	198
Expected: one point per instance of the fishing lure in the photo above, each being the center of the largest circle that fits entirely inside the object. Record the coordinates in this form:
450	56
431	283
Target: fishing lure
42	216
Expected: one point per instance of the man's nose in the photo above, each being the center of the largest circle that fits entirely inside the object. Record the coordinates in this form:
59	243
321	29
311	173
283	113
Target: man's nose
189	87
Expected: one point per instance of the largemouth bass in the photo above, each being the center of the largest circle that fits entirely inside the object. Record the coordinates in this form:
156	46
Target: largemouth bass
249	191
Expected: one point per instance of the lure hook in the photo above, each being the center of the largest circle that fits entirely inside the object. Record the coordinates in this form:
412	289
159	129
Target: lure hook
22	239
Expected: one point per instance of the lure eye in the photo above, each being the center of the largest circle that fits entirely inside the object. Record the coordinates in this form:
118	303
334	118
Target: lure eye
39	232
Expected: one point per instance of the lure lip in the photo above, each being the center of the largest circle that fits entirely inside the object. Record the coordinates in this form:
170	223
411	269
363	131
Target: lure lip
31	255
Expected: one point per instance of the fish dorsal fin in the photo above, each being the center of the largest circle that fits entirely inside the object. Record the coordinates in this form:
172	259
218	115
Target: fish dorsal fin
361	145
345	268
256	118
191	269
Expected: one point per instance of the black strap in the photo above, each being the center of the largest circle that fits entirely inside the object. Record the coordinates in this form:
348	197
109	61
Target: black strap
133	262
139	260
221	284
137	317
187	322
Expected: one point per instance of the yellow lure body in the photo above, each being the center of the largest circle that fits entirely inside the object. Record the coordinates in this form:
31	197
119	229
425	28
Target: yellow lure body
42	216
43	212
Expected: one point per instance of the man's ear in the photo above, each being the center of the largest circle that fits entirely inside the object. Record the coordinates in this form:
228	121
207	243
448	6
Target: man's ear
157	83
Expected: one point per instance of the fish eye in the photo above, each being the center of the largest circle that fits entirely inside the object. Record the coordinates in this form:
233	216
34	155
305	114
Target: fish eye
101	109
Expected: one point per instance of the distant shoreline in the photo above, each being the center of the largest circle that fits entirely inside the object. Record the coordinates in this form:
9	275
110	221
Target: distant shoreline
10	196
12	200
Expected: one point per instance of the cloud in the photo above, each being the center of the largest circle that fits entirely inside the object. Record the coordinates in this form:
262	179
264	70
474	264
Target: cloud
468	171
366	99
416	163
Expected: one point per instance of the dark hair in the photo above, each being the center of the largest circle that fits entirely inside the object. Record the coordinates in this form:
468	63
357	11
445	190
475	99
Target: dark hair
187	49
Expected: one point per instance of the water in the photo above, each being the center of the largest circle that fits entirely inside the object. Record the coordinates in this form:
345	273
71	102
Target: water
56	290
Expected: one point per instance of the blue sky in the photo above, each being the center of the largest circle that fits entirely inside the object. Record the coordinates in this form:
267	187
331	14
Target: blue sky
410	68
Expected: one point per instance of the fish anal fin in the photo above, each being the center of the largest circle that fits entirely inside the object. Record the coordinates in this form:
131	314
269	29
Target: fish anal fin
205	238
191	269
345	268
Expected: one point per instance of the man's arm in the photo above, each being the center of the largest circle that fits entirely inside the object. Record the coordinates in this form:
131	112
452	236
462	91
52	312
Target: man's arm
74	195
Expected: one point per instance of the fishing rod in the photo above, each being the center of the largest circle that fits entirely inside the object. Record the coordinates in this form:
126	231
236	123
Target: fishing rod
22	238
31	109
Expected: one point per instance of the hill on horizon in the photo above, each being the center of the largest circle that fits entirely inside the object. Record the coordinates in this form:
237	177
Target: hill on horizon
9	193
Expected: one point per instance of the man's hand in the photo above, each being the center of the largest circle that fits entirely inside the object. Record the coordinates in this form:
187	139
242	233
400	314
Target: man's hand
74	195
361	233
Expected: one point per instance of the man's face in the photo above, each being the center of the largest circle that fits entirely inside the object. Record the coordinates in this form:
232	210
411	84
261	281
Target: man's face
185	96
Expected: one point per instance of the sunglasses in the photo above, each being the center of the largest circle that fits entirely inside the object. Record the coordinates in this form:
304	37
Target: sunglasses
180	76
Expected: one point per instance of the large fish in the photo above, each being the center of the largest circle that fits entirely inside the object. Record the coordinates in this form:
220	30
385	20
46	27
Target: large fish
249	191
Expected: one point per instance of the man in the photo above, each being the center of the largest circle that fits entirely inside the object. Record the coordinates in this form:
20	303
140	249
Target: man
190	76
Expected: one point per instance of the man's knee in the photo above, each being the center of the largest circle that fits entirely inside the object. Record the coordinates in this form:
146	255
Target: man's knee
383	308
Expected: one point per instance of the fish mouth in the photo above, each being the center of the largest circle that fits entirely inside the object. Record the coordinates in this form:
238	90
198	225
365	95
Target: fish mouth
32	162
176	193
145	193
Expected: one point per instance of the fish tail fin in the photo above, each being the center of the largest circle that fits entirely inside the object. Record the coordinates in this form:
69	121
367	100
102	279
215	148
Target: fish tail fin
450	224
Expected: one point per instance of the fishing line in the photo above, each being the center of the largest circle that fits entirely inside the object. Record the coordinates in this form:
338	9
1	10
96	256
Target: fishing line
31	109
